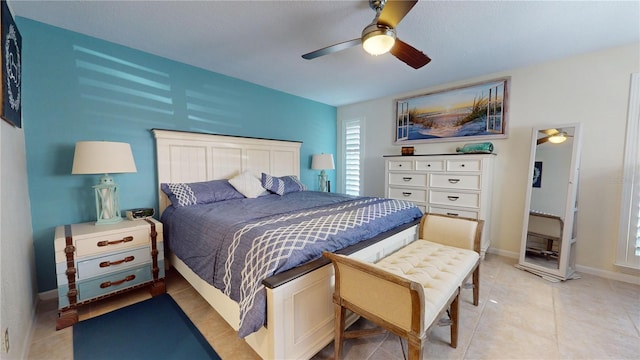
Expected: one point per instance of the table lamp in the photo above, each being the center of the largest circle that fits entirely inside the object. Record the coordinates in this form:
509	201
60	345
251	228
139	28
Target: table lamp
322	162
104	157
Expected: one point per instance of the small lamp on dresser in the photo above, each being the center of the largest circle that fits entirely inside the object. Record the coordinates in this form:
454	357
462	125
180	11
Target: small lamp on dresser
322	162
104	157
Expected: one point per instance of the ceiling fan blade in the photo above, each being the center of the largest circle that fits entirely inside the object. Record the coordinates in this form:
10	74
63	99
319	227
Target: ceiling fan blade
410	55
394	11
543	140
331	49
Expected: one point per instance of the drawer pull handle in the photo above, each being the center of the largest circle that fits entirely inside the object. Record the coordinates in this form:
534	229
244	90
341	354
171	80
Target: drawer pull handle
462	165
107	243
405	193
453	198
407	178
114	283
454	181
428	165
453	214
109	263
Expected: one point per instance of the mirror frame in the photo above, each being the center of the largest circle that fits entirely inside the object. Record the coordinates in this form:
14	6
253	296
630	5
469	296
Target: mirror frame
566	260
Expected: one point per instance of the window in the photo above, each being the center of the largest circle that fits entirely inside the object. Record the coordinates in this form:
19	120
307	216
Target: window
351	146
629	234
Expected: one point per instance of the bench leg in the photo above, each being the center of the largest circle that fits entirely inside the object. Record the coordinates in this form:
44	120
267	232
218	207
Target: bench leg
476	286
415	345
454	311
339	330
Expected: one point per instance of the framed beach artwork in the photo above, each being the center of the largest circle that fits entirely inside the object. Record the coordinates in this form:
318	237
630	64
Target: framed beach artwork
472	112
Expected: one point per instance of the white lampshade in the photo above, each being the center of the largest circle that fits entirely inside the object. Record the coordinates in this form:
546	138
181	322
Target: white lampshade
322	162
102	157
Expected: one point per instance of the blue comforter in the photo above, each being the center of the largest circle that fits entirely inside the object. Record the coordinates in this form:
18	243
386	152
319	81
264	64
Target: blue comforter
235	244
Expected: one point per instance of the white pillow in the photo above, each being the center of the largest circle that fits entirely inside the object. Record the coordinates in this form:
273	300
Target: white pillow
248	184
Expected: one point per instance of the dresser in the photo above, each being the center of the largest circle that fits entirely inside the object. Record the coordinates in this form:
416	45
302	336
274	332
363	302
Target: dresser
97	261
456	184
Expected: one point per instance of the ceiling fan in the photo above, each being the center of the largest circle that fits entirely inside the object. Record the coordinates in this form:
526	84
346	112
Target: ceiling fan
554	136
379	37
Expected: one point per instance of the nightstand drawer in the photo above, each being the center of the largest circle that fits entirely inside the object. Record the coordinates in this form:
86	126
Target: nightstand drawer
454	199
112	242
408	179
113	262
450	181
104	285
408	194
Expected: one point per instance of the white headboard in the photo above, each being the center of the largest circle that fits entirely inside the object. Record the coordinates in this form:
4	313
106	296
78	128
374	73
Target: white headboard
190	157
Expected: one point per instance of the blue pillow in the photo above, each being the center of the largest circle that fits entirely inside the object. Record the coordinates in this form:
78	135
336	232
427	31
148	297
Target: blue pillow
282	185
206	192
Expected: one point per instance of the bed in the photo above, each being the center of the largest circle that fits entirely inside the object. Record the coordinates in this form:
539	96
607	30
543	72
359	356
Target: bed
298	309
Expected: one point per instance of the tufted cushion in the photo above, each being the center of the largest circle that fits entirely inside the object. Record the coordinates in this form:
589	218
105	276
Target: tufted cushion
440	269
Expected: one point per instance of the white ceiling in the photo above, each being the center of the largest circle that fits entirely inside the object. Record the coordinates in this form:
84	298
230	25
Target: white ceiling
262	41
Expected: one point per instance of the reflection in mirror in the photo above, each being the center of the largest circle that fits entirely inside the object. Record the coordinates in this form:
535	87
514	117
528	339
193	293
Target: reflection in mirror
548	239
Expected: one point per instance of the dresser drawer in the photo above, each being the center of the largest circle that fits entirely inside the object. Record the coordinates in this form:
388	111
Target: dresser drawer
113	262
448	198
454	212
408	194
468	182
408	179
400	165
430	165
464	165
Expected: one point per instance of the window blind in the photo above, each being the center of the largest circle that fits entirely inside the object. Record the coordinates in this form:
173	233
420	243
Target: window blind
352	157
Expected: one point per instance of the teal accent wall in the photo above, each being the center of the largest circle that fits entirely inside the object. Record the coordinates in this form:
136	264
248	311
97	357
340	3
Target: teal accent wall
76	88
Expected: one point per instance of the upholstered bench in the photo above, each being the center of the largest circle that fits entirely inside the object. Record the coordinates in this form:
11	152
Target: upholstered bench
409	290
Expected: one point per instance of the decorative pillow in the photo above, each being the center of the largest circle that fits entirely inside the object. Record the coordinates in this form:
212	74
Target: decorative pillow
282	185
248	185
206	192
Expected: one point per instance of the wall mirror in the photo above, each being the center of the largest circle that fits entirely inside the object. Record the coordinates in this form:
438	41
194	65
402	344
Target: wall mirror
549	227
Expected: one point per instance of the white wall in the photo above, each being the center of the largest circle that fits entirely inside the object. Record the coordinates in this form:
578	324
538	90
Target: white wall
592	89
17	264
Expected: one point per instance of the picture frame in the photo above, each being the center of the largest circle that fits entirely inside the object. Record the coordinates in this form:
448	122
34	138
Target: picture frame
472	112
11	68
537	174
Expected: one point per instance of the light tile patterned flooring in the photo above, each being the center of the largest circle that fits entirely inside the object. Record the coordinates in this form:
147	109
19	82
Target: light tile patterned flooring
520	316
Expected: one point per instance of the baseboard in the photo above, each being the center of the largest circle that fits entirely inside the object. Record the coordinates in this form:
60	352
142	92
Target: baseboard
505	253
611	275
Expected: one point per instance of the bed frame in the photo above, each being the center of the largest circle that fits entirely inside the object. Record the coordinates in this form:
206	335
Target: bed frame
300	313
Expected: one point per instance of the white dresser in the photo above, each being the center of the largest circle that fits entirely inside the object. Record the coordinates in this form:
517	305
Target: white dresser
456	184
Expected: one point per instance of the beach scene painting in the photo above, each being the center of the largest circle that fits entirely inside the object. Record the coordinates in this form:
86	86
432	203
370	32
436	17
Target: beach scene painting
473	112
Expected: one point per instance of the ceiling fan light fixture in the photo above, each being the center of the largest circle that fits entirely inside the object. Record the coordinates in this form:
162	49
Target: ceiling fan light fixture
378	39
558	138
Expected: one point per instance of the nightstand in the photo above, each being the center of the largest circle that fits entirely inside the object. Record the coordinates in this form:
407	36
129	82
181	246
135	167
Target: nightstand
97	261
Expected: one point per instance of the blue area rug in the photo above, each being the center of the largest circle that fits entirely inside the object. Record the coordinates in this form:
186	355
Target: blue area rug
152	329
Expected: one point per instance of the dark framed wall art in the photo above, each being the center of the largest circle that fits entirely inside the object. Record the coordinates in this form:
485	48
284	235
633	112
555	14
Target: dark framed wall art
11	72
472	112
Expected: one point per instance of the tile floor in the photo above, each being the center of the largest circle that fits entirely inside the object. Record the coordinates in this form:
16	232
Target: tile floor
520	316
